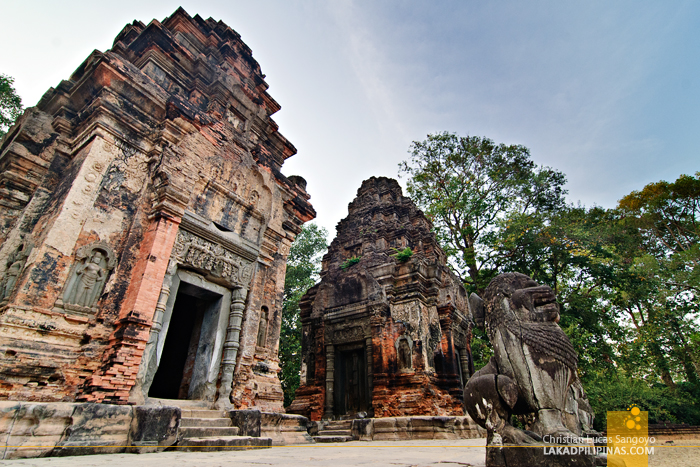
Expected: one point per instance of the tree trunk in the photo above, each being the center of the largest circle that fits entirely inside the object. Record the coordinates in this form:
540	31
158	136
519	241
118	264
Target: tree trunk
662	365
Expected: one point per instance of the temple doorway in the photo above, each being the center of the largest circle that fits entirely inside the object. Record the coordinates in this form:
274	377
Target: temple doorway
350	391
189	343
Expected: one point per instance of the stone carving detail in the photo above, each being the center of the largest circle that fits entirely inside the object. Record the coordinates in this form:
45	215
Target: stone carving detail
202	254
15	265
234	119
262	328
532	369
253	198
352	334
231	346
404	353
86	282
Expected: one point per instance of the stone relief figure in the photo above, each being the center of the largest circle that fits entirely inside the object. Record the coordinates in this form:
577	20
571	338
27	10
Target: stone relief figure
15	264
253	198
88	277
579	413
533	366
403	353
262	328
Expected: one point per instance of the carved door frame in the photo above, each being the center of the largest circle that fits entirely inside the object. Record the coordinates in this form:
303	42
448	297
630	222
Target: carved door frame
346	358
338	335
203	253
204	387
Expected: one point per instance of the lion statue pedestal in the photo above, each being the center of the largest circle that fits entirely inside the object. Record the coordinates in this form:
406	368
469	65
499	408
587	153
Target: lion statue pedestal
532	373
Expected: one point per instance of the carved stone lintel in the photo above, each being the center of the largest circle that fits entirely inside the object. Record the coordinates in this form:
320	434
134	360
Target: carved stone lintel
352	334
213	258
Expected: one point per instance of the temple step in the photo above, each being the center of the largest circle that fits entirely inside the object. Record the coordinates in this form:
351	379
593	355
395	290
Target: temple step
339	425
223	443
186	422
202	413
332	439
202	424
182	403
211	430
334	432
207	431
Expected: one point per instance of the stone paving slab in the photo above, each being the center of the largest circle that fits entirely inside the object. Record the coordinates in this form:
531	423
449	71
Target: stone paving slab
430	453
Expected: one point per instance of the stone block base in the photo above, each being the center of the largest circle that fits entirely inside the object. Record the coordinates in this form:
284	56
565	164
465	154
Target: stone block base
32	429
279	427
332	439
406	428
285	428
224	443
551	456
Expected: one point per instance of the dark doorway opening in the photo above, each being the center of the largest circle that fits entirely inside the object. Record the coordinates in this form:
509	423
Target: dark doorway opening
191	311
351	391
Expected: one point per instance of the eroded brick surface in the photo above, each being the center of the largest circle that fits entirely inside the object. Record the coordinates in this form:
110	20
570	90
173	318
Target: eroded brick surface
385	337
155	164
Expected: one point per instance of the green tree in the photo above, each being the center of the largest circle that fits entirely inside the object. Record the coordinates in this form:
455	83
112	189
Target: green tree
668	215
486	202
627	311
616	391
471	188
10	103
628	301
663	303
303	267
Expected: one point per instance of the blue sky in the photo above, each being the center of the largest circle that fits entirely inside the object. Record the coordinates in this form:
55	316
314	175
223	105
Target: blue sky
606	92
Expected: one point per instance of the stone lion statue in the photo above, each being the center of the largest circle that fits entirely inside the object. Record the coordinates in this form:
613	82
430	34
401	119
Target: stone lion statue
533	369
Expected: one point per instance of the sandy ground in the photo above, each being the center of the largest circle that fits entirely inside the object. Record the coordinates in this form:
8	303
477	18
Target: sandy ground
433	453
682	453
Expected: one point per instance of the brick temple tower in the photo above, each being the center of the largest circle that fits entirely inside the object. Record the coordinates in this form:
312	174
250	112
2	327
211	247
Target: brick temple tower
389	335
146	224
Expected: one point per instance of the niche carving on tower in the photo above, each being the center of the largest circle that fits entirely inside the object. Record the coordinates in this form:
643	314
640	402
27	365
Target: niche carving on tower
404	353
87	279
262	327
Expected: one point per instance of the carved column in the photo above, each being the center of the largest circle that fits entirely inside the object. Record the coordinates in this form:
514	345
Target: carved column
162	302
231	345
370	372
330	378
464	361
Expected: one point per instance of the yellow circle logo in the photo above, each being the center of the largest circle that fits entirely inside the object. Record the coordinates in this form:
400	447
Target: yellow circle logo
631	421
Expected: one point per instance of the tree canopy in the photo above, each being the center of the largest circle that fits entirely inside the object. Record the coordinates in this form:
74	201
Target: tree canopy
10	103
471	188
